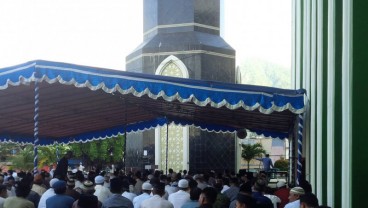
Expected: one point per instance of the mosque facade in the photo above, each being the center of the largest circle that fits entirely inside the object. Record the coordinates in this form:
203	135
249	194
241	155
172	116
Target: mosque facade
182	39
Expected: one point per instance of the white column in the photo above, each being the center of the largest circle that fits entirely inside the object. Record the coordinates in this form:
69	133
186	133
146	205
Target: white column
319	97
186	148
347	73
313	96
293	46
158	148
306	79
298	44
331	104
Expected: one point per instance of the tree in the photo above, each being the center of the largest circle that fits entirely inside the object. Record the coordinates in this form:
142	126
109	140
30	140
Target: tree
282	164
24	159
47	155
250	151
100	152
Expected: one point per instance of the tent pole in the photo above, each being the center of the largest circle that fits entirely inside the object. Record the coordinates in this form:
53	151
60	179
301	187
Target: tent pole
300	149
35	130
124	156
57	151
167	144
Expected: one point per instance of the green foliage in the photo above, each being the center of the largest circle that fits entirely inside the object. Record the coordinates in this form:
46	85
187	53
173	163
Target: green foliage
282	164
100	152
96	152
250	151
24	159
48	154
261	72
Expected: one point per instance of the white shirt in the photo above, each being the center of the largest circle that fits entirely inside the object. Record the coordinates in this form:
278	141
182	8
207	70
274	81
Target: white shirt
11	192
274	199
2	200
156	202
179	198
139	199
102	193
224	188
294	204
138	186
129	195
170	189
49	193
78	184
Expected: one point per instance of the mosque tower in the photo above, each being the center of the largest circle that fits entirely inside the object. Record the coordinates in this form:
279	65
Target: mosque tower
182	39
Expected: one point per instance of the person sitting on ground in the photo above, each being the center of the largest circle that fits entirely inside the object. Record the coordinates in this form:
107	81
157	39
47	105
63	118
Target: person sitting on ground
168	188
101	192
127	191
308	200
233	190
10	182
138	183
283	193
3	195
70	191
32	196
157	200
270	194
245	189
87	199
259	188
60	200
37	185
79	179
195	192
294	197
49	193
201	183
245	201
207	197
180	197
146	189
22	190
116	200
225	184
221	199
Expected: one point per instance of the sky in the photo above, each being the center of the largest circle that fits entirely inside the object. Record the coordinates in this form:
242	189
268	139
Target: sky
102	33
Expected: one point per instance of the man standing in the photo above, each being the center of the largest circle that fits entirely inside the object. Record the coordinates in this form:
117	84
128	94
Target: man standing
62	166
267	162
294	197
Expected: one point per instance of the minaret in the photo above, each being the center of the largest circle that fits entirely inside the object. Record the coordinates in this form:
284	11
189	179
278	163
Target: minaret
182	39
188	30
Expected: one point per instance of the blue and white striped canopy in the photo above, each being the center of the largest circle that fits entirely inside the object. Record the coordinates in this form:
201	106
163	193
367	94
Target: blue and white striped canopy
81	103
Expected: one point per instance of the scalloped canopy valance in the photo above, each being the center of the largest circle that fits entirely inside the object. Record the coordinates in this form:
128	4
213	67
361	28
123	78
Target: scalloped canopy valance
80	103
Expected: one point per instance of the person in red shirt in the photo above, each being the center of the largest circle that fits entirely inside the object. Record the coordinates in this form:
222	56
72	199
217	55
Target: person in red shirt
283	193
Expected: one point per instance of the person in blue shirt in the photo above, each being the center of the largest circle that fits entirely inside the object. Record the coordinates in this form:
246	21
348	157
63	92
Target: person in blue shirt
267	162
60	200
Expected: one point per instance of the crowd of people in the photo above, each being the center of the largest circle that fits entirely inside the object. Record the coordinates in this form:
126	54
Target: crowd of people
96	189
65	188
